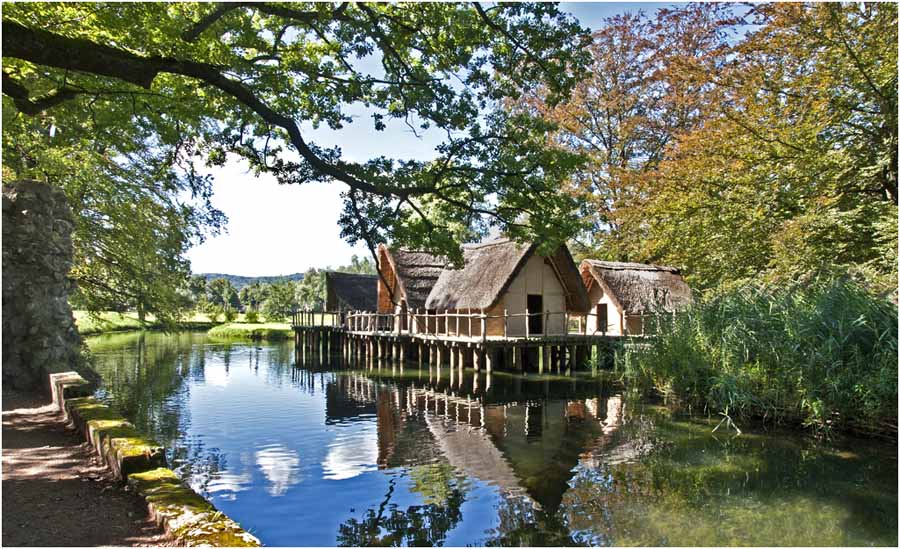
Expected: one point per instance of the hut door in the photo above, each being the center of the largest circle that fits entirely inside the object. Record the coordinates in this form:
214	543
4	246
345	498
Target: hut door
602	317
535	304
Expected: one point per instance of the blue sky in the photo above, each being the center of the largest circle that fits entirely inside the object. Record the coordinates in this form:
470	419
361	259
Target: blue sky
275	229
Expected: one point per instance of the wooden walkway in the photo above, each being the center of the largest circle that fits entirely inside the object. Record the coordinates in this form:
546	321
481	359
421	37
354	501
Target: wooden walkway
383	339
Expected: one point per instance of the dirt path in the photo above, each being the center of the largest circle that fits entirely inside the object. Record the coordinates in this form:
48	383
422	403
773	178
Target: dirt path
54	490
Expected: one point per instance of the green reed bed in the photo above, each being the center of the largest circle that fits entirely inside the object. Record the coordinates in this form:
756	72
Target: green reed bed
822	352
238	330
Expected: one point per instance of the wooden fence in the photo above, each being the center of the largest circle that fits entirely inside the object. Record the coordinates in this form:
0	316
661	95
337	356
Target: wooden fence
471	324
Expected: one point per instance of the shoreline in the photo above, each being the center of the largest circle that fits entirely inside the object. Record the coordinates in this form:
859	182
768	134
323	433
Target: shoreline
55	490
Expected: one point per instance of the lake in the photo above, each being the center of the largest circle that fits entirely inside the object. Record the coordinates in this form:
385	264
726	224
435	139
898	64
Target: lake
321	455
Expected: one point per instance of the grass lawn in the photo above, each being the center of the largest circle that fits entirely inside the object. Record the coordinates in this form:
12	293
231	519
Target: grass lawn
109	321
243	330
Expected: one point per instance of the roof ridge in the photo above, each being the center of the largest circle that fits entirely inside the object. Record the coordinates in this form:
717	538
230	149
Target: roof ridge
473	245
631	266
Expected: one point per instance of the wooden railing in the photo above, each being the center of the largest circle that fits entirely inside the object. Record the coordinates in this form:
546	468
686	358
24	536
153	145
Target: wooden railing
316	318
472	324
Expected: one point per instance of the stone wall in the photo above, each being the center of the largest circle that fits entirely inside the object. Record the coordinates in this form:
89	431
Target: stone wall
39	335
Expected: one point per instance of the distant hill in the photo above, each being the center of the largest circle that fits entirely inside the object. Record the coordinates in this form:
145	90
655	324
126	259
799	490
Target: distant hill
240	281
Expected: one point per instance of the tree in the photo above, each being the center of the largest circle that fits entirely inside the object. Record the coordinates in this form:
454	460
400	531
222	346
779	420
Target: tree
136	215
794	168
197	288
641	92
130	235
359	265
212	79
280	301
737	153
311	290
252	296
222	296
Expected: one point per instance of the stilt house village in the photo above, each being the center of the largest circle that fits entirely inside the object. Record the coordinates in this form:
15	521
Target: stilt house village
506	304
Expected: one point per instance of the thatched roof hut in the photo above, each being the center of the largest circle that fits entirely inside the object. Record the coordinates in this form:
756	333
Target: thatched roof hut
638	288
410	273
489	269
350	292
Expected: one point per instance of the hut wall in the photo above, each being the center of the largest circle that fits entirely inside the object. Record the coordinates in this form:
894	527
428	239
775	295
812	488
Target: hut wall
536	277
384	297
614	314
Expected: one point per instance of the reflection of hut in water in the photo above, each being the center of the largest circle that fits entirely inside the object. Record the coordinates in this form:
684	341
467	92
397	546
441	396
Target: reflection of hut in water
612	446
347	398
527	449
350	292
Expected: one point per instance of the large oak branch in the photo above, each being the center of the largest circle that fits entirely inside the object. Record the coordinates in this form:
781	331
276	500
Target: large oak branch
53	50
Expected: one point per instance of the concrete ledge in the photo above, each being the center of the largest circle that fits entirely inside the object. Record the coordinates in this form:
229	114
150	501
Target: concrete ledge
65	385
116	441
185	515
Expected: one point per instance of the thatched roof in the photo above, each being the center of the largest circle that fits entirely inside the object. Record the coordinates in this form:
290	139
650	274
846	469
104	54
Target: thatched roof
640	288
417	272
350	292
489	269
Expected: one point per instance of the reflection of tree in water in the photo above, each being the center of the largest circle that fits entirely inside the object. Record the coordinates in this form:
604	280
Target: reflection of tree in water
143	377
417	525
194	461
521	524
663	481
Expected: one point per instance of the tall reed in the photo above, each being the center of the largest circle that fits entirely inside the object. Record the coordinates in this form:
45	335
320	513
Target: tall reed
822	352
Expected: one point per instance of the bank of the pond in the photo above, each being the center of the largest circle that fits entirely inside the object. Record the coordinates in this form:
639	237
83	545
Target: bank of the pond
110	321
269	331
55	493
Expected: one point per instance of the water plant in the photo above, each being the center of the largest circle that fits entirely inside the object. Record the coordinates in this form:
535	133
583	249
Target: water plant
822	352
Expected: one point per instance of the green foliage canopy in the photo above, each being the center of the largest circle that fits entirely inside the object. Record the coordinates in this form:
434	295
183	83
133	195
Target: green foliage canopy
205	80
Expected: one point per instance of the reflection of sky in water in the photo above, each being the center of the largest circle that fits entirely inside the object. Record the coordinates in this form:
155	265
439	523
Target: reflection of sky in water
280	467
269	443
353	452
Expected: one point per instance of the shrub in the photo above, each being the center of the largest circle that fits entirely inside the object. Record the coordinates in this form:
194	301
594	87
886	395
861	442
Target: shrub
822	352
252	317
230	314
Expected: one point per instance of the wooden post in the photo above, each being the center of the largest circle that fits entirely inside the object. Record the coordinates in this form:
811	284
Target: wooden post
483	326
527	318
469	314
476	358
545	358
505	323
461	357
566	323
446	322
421	351
488	359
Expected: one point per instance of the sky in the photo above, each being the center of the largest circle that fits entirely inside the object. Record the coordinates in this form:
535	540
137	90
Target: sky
282	229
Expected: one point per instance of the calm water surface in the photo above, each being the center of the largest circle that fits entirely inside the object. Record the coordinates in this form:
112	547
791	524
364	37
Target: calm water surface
320	455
